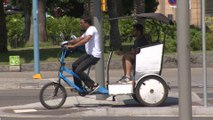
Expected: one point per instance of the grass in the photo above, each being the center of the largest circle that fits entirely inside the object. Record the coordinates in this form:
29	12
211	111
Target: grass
27	55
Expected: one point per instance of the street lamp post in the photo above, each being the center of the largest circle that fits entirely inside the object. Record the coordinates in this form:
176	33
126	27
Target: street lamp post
184	69
204	53
99	68
36	41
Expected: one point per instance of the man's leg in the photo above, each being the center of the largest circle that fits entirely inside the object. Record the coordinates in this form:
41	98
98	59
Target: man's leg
85	64
75	65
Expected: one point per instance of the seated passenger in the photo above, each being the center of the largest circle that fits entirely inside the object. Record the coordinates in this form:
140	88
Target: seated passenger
128	59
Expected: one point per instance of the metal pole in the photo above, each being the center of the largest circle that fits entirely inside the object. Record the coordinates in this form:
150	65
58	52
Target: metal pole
36	40
184	71
204	53
99	68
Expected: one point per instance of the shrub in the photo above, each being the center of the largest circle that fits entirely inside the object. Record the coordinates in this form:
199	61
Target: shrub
209	41
67	25
195	39
15	30
70	25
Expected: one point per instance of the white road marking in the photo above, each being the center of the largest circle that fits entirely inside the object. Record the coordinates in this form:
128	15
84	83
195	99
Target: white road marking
24	110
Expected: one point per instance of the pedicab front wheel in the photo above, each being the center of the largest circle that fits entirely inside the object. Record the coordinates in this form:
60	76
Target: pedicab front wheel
151	91
52	95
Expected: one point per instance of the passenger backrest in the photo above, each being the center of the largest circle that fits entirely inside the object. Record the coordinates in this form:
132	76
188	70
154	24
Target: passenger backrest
149	60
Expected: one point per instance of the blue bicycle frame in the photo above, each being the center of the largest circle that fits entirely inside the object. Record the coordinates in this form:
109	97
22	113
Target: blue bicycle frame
64	51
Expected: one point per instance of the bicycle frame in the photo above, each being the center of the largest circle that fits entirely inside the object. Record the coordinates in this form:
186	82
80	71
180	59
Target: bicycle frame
62	69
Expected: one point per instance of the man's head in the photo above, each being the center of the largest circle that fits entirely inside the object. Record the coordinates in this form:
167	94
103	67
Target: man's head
85	22
137	30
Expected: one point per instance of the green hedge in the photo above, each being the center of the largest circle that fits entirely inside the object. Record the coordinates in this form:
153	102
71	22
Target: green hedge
69	26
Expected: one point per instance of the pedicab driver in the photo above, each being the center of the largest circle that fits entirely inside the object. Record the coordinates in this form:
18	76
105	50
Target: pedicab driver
93	53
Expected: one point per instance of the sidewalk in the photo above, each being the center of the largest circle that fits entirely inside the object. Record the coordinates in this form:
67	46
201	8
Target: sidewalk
22	79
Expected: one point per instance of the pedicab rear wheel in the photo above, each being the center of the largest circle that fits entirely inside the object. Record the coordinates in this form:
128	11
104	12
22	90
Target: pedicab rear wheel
151	90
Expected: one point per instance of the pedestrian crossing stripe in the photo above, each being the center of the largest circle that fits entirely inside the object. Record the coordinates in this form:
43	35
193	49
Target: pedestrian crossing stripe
24	110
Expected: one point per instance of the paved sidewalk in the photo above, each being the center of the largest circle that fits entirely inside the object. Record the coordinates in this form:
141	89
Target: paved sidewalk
23	79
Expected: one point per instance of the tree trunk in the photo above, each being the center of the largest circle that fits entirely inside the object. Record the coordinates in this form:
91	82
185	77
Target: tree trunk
3	33
115	41
27	14
87	7
42	20
139	8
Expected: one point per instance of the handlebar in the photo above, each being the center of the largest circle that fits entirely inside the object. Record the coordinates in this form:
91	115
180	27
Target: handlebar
64	43
64	52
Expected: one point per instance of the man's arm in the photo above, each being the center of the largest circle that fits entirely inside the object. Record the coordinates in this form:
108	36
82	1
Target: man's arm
75	40
80	41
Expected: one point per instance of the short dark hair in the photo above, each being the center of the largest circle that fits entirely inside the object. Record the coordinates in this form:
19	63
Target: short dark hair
87	19
139	27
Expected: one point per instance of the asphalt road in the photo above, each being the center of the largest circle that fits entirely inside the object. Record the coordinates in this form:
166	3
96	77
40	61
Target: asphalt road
18	97
110	118
27	96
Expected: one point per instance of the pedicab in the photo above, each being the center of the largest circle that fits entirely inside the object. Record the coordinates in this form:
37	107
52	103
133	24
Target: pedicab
147	88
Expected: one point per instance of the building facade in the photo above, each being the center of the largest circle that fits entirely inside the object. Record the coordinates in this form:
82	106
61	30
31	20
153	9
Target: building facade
168	8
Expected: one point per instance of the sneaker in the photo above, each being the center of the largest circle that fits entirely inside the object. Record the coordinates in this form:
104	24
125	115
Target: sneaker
124	80
94	88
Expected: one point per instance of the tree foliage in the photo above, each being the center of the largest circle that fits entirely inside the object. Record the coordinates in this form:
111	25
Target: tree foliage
15	26
151	6
59	8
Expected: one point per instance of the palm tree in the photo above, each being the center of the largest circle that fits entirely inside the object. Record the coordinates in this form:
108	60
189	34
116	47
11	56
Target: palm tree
3	33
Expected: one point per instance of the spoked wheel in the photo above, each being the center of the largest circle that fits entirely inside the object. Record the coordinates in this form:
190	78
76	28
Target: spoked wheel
52	95
151	91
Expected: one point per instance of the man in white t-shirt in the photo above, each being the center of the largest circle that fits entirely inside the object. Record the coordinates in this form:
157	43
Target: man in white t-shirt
93	53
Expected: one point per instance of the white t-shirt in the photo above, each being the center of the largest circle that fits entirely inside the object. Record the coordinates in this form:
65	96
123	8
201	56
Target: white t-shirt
92	47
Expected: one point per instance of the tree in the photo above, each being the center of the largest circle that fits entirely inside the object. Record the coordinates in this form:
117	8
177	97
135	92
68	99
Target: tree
151	5
145	6
42	20
115	41
27	15
139	6
3	33
59	8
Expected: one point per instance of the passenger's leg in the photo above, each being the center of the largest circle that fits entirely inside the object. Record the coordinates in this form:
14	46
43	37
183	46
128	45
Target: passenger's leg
127	61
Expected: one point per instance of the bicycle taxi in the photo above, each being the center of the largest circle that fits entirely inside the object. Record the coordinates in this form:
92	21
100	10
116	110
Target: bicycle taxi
147	88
